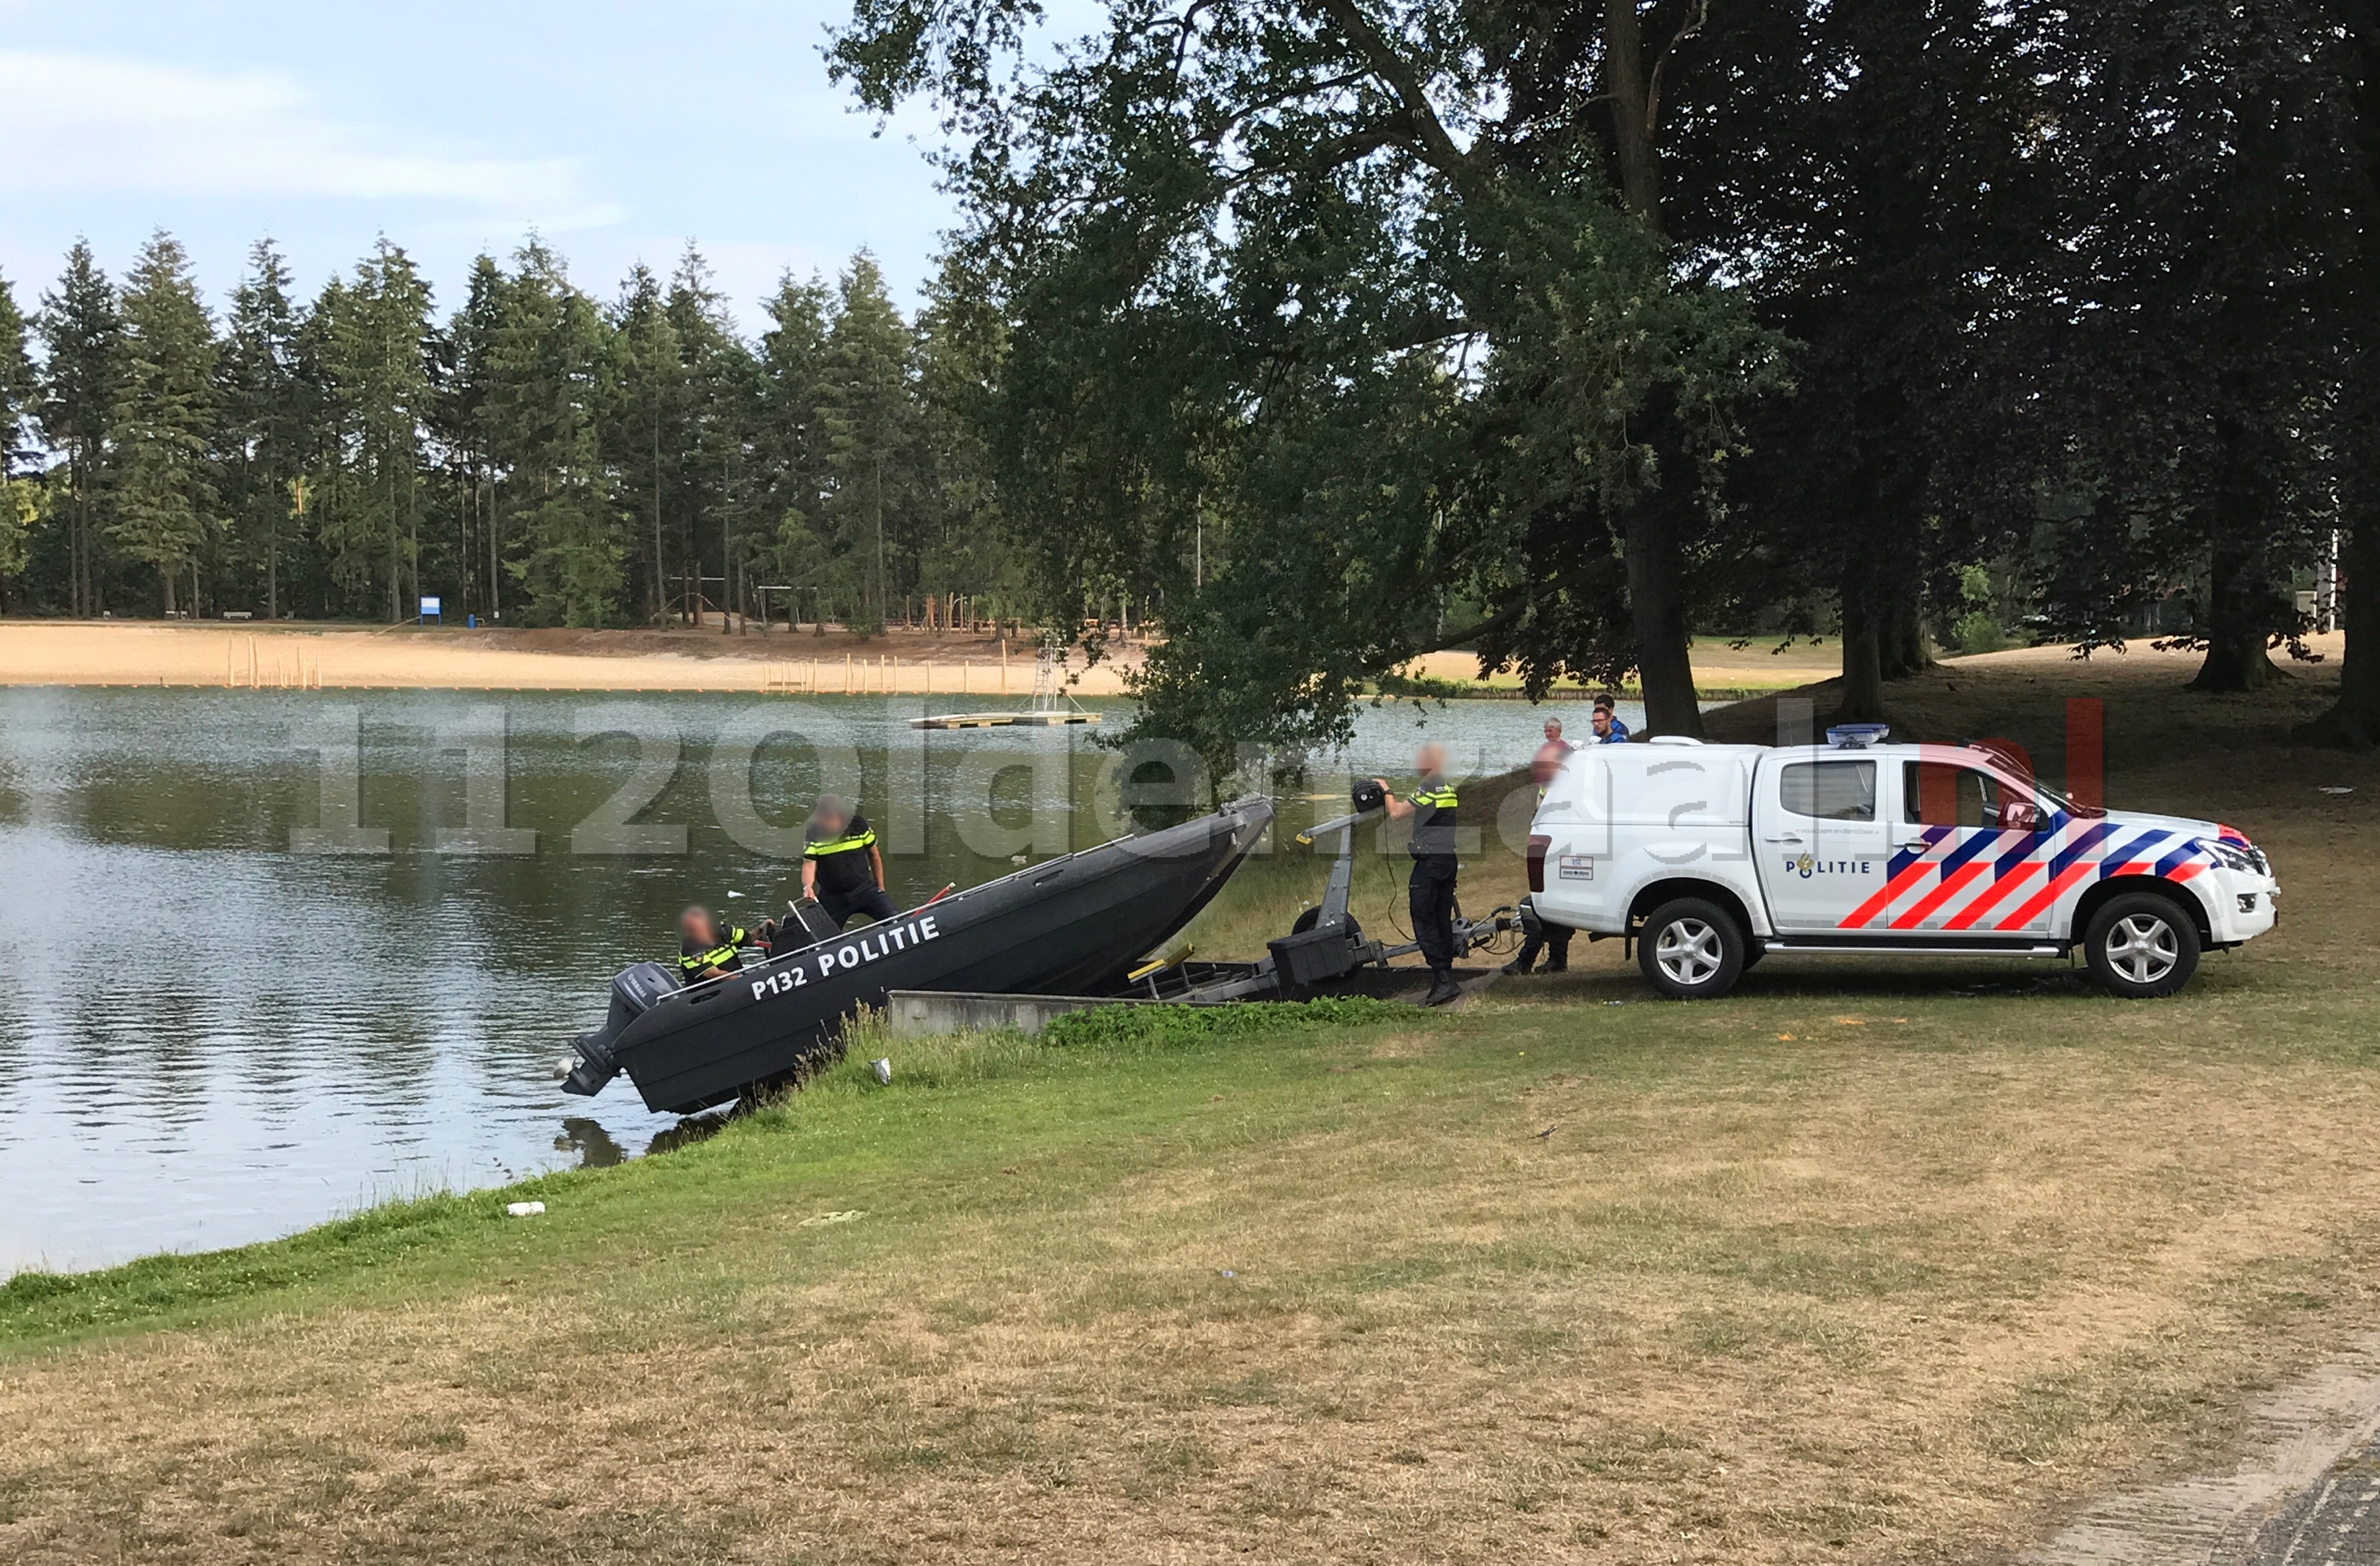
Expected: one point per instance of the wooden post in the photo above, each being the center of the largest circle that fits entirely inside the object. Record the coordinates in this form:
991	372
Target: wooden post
846	673
1003	665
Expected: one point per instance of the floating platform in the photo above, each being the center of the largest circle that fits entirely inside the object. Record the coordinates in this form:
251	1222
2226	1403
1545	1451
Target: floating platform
1047	719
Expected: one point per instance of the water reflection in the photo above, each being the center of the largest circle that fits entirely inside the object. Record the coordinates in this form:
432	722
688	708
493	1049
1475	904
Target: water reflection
589	1141
206	1038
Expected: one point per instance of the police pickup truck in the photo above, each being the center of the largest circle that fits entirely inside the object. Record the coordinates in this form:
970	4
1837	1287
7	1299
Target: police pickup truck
1710	857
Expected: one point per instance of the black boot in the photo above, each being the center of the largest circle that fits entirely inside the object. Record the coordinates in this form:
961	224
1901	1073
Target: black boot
1519	965
1442	989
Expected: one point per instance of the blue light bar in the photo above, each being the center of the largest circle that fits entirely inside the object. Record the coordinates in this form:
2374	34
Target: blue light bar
1857	736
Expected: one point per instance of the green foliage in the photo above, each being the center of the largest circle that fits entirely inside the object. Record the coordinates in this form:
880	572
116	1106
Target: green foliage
370	340
1298	344
1978	631
19	384
161	490
1153	1026
535	456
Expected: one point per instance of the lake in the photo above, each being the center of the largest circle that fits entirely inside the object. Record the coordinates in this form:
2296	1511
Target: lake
212	1031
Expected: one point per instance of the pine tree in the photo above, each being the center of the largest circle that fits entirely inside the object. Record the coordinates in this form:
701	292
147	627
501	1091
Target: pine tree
720	395
466	355
18	385
548	395
376	348
266	412
162	482
866	400
19	499
645	438
789	441
80	326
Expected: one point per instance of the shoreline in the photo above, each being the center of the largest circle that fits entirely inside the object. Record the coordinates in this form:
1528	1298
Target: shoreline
242	656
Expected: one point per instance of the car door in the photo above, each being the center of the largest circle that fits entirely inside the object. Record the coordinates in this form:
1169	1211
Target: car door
1823	840
1968	856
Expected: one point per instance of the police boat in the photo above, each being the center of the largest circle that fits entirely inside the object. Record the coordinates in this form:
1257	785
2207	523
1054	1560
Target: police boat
1074	924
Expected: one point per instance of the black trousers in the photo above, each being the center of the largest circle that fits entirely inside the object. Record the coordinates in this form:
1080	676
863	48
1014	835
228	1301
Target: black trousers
870	899
1549	938
1429	895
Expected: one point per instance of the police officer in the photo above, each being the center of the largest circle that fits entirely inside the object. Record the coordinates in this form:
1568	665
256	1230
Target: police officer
1551	939
705	951
1430	893
841	865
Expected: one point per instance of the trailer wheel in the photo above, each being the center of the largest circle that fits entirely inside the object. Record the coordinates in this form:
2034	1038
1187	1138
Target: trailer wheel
1691	950
2142	946
1312	917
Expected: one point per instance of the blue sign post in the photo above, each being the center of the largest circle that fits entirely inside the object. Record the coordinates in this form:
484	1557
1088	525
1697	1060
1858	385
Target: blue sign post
430	610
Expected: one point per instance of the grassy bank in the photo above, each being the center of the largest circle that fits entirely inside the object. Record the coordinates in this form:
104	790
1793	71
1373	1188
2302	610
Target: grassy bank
1866	1263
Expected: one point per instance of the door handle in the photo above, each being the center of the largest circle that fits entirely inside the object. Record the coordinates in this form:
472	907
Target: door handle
1784	837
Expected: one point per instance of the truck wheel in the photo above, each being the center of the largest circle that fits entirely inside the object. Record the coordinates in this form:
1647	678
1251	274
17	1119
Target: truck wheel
2142	946
1691	950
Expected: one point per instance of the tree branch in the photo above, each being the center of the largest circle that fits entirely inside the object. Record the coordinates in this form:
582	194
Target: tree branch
1436	147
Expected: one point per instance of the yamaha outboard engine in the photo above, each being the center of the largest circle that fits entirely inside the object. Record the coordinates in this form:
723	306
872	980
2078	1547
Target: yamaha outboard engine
634	993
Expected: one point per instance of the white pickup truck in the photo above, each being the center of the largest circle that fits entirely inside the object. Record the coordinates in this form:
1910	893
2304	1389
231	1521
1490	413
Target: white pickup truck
1711	857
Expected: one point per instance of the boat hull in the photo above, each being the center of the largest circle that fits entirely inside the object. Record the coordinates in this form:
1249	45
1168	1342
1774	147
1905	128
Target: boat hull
1073	925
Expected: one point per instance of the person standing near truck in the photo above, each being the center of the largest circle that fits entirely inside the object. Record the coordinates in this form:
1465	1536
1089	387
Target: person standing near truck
1429	893
1551	939
1609	729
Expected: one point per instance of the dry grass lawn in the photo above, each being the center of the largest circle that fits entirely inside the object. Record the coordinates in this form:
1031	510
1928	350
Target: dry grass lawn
1866	1263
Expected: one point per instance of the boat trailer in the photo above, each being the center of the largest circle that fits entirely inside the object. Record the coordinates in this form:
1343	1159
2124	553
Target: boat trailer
1325	953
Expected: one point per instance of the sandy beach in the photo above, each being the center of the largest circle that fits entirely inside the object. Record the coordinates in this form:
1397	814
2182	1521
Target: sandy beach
280	657
906	662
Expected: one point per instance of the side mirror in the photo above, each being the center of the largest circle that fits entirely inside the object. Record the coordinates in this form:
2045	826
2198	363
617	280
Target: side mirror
2019	815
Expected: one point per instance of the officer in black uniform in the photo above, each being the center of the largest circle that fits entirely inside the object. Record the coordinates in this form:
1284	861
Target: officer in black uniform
1429	895
705	950
841	865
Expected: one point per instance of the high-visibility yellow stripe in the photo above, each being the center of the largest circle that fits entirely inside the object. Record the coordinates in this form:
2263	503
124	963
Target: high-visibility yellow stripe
839	845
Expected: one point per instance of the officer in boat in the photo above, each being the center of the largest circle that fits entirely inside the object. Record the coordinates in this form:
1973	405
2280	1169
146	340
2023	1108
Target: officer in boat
1553	941
707	949
1429	894
841	866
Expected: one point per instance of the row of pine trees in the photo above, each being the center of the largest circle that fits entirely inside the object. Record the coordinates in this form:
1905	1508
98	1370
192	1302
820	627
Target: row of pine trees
535	456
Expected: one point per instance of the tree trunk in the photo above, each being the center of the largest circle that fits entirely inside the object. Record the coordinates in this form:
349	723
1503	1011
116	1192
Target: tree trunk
1863	693
1903	648
2239	620
1632	118
1656	604
167	576
2354	719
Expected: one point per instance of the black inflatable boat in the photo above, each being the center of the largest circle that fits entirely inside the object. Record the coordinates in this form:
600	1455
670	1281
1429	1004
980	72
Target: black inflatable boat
1075	925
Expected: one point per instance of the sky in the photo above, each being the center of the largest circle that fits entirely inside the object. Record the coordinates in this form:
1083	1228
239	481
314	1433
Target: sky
618	129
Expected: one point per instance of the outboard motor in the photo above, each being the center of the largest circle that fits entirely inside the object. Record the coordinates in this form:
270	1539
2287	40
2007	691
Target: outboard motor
635	992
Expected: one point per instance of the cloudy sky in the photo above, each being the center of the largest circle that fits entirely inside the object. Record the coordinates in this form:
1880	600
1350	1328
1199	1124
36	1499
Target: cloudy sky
617	129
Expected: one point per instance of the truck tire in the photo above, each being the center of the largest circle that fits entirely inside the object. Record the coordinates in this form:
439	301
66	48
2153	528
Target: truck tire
2142	946
1691	950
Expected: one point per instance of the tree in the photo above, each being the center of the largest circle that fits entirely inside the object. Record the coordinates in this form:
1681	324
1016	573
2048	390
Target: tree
548	389
267	410
1363	287
375	345
865	403
2196	322
18	385
465	354
645	436
162	483
2353	301
789	441
79	328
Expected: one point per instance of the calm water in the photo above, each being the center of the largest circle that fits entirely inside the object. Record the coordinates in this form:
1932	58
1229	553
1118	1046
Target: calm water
206	1037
